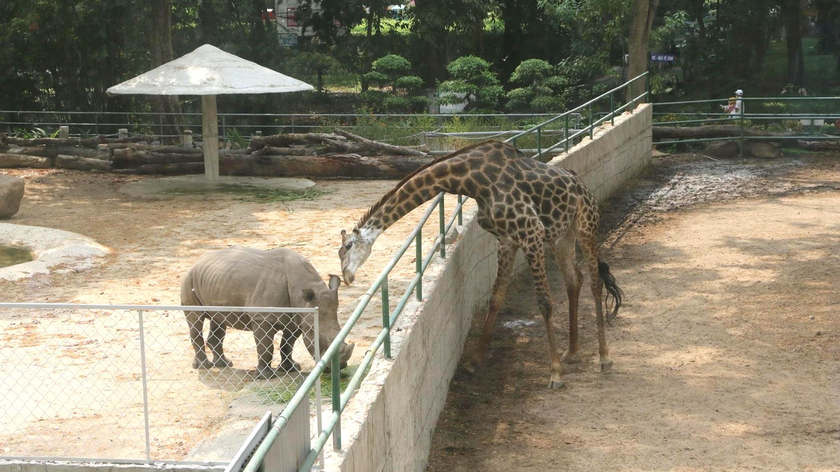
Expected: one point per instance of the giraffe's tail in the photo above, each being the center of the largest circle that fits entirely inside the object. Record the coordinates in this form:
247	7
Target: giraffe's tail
613	290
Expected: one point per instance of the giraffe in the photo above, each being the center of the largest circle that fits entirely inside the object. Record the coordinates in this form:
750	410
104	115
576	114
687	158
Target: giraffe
525	204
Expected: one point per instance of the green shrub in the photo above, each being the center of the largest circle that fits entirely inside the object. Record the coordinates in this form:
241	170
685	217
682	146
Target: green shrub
471	81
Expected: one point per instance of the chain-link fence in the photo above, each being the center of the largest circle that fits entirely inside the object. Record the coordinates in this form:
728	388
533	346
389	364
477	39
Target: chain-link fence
124	382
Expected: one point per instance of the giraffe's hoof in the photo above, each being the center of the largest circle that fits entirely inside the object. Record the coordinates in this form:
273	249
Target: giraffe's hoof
468	368
606	366
570	358
556	384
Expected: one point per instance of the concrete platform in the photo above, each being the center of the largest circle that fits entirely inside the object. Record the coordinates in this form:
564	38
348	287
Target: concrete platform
166	188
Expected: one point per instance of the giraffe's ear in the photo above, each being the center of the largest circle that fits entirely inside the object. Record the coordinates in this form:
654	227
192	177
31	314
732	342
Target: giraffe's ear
343	236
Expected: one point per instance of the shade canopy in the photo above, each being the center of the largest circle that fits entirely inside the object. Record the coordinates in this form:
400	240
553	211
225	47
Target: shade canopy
209	71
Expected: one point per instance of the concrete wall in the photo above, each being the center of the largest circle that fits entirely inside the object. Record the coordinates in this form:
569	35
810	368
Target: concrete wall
401	399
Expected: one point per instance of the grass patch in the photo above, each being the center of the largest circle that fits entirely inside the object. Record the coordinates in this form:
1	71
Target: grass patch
283	392
249	193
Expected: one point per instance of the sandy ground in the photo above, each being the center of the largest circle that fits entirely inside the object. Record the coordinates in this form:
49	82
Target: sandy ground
70	405
727	350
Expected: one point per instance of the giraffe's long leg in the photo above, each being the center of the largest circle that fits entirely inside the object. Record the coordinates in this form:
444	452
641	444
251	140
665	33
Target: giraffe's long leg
535	254
589	247
506	257
564	253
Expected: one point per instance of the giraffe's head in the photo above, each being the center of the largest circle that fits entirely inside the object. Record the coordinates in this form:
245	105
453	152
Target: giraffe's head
355	249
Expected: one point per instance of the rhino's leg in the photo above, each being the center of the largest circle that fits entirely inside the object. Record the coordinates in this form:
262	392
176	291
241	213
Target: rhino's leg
195	321
264	333
216	341
290	336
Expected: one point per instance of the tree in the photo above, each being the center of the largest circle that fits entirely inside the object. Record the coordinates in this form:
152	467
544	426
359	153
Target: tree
537	77
641	22
471	81
394	71
793	15
316	64
159	35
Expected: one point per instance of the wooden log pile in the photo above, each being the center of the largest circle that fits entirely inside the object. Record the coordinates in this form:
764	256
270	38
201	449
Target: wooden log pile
315	155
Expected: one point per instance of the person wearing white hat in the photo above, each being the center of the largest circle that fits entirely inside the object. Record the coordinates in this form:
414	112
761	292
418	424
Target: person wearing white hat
735	106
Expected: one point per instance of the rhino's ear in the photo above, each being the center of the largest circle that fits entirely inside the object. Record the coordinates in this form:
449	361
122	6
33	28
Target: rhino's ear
335	282
308	295
343	236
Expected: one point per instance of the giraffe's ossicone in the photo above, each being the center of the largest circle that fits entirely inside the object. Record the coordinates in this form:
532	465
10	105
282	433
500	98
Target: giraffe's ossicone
525	204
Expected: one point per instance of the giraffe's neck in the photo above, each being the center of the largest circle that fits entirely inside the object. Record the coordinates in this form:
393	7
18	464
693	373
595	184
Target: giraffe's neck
412	193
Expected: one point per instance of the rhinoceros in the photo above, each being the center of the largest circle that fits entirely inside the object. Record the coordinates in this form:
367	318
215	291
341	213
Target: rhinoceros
240	276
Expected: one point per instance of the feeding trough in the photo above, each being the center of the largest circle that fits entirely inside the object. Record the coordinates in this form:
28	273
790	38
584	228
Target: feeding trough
208	71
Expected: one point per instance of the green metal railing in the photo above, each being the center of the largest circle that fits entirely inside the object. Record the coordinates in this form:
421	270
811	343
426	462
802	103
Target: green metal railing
389	315
800	109
591	112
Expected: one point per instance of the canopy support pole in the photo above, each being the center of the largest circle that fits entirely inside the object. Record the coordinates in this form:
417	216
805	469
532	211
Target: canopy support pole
210	137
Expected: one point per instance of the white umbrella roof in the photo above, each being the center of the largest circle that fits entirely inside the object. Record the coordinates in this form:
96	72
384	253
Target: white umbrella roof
209	71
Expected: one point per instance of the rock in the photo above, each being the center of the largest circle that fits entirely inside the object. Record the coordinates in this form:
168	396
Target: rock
11	193
722	149
763	150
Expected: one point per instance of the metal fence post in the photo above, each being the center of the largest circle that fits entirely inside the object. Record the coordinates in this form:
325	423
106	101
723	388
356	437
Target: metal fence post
591	123
741	126
145	386
386	317
293	123
460	213
612	110
442	215
419	262
335	375
318	401
539	143
96	123
567	132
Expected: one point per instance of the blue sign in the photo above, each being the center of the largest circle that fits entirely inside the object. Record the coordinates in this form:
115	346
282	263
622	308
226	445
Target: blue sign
663	57
287	39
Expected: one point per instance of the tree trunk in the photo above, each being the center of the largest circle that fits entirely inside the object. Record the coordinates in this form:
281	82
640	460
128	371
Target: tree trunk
793	36
641	21
159	35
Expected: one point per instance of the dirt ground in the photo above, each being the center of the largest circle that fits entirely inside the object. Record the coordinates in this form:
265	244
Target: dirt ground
726	351
153	244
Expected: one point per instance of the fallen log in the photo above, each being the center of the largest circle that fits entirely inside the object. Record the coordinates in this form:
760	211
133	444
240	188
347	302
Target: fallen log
287	151
713	131
131	157
54	151
82	163
819	146
41	151
23	160
87	142
330	166
160	149
291	139
389	149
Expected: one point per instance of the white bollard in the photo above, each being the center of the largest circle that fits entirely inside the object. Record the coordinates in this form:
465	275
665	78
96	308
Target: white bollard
188	139
63	132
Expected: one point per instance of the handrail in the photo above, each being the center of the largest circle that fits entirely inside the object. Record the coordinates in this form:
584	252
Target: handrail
437	249
86	306
739	119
